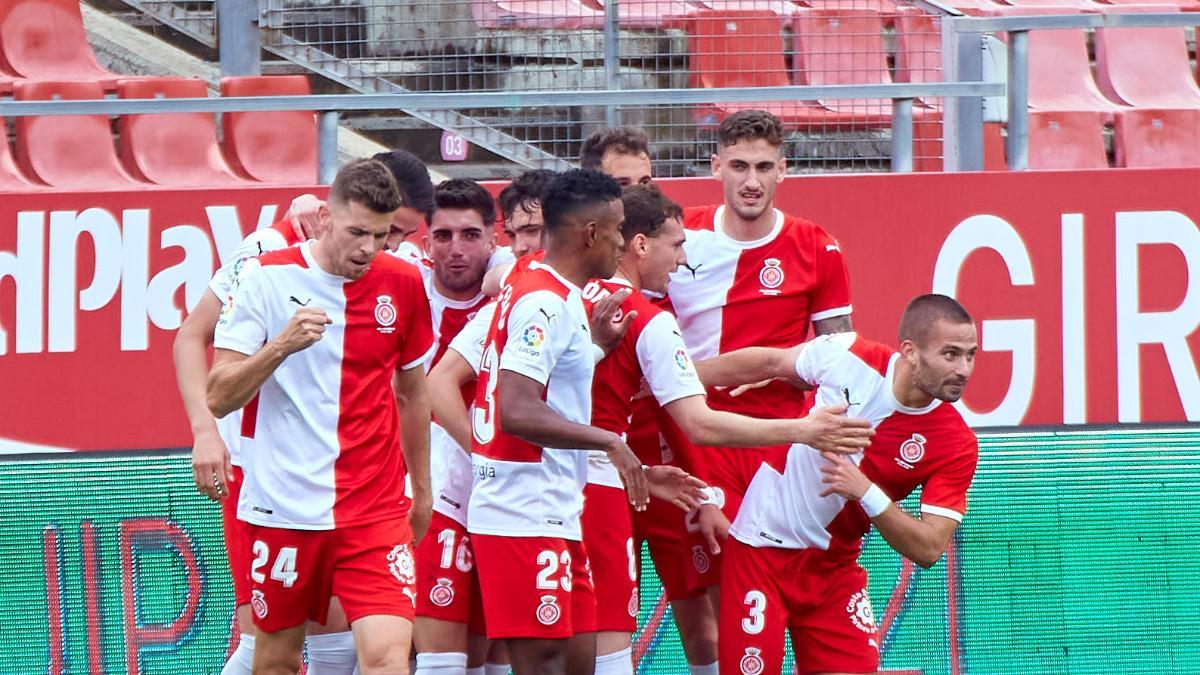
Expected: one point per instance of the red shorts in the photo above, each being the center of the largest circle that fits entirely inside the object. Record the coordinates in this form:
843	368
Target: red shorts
237	541
447	584
821	600
662	527
534	587
730	469
294	573
608	539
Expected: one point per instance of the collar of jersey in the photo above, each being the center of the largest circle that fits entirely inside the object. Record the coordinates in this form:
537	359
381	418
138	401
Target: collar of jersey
620	281
538	265
306	251
891	374
431	288
718	216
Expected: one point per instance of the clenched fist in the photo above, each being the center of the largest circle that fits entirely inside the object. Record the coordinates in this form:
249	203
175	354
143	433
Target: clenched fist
303	330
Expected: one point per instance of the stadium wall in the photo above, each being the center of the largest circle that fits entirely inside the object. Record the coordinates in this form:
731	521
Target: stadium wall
1079	553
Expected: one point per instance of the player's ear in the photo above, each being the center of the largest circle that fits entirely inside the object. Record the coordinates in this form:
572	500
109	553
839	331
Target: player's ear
782	168
425	244
715	164
908	350
325	217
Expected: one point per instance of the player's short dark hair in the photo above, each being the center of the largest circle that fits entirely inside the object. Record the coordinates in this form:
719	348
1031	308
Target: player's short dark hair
366	182
750	125
460	193
525	192
925	310
646	209
412	177
575	190
621	140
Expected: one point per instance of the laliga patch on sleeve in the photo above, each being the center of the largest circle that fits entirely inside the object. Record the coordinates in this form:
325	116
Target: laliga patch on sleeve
532	339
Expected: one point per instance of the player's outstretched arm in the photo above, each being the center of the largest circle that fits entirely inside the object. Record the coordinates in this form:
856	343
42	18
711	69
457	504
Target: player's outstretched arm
493	277
524	414
236	377
748	366
823	428
922	540
211	468
445	383
413	399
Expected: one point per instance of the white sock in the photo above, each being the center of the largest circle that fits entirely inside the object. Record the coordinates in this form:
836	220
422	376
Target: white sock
478	670
710	669
441	663
616	663
331	654
496	669
241	661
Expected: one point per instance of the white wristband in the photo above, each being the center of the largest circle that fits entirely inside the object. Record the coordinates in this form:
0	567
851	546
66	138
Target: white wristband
874	501
597	353
714	496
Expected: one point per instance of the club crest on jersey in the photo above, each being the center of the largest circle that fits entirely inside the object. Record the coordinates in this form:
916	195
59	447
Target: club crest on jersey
385	313
633	603
861	613
752	663
400	562
771	276
700	559
442	594
258	603
911	451
548	612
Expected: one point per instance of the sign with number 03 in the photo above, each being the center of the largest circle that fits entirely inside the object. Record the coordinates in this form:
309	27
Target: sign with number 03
454	147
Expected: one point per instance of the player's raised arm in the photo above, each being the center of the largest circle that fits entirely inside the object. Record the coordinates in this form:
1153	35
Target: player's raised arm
748	366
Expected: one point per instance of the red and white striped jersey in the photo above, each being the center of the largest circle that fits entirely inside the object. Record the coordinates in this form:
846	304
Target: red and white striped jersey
321	440
762	293
280	235
540	330
652	349
931	447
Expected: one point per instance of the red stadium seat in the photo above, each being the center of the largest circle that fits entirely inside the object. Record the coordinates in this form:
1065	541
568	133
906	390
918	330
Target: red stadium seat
1060	74
743	49
68	151
536	14
273	147
649	14
973	7
918	49
179	149
1157	138
928	148
843	47
11	178
1146	67
1079	5
45	40
1066	140
1183	5
783	8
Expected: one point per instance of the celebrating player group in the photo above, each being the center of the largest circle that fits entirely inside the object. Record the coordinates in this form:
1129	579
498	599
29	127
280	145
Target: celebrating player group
453	453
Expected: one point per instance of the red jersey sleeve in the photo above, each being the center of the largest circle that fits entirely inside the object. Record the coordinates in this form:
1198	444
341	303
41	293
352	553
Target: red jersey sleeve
416	338
945	493
831	292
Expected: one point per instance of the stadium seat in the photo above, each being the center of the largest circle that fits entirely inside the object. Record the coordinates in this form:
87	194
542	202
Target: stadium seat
918	48
743	49
536	14
783	8
843	47
273	147
179	149
11	177
1146	67
45	40
1183	5
1157	138
649	14
1060	73
1079	5
1066	140
73	151
973	7
928	148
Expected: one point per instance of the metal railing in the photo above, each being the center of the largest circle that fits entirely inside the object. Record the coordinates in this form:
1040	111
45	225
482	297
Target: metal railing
330	106
962	35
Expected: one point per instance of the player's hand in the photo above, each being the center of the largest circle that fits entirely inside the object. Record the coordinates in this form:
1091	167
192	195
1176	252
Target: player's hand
303	330
211	467
607	330
827	429
420	514
632	477
305	216
714	526
843	477
673	484
643	391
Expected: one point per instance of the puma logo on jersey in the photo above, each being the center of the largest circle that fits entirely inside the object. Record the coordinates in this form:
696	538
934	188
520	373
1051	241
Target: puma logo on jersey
297	301
549	317
692	269
846	393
